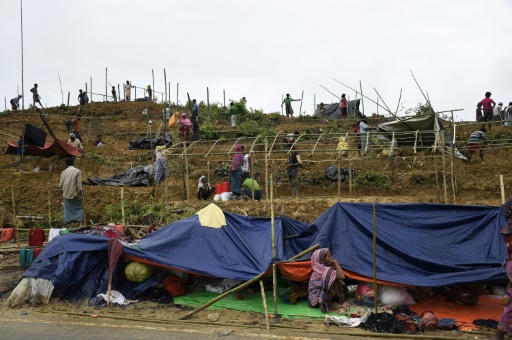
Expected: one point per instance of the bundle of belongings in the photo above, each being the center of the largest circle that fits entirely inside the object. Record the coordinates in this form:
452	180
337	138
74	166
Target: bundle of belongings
140	176
149	143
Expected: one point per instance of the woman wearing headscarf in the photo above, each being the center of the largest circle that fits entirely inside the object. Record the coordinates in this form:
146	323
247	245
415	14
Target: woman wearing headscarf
325	282
235	178
505	324
204	189
184	125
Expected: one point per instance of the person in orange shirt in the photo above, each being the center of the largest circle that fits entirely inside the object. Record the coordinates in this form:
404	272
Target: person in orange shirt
75	124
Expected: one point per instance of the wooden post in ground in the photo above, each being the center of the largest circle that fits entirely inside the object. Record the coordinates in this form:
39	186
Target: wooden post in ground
339	178
153	89
274	269
69	94
443	156
375	257
14	217
264	304
266	169
208	100
91	91
350	174
186	174
177	93
122	207
301	99
502	187
106	84
454	182
437	175
49	208
208	171
119	92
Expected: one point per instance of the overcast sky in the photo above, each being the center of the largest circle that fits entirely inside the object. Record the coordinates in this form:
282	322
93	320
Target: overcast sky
457	49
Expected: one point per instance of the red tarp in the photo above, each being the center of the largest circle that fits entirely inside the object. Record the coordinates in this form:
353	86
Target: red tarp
58	147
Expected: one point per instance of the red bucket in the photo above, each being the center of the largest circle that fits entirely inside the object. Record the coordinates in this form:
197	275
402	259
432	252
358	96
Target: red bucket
218	189
225	187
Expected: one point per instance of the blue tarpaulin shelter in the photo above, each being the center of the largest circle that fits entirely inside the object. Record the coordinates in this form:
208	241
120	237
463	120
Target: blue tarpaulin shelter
417	244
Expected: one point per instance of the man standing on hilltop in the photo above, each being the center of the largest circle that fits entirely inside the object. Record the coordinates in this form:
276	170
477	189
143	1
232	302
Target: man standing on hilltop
35	96
487	104
81	99
114	94
71	186
288	105
127	90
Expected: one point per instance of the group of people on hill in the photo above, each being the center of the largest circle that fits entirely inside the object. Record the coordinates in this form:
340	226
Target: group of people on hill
486	112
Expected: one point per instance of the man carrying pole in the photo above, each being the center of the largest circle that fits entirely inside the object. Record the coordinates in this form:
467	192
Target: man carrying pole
288	105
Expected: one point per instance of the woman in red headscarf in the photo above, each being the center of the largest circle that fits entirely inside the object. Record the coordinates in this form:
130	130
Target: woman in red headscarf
325	282
235	178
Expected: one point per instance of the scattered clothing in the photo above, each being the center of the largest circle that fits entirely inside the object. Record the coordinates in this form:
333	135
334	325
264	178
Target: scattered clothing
8	234
116	297
36	237
26	257
54	232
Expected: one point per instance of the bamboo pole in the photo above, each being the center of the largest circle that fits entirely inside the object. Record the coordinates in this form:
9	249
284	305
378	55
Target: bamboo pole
263	297
282	99
301	100
376	297
106	84
437	178
266	168
251	172
91	90
443	156
14	217
274	269
502	187
362	97
187	189
349	174
339	178
454	182
208	171
49	207
69	94
153	92
122	206
177	93
208	100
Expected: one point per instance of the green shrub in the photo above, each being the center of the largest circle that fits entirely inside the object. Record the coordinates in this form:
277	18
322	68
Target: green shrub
374	179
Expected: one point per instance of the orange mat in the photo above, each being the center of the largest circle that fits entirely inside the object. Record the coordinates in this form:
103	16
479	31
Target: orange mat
486	308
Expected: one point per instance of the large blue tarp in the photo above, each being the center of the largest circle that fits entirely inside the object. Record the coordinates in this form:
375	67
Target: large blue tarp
240	250
416	244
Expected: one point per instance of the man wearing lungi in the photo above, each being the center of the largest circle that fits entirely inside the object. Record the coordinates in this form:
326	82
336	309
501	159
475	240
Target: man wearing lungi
71	186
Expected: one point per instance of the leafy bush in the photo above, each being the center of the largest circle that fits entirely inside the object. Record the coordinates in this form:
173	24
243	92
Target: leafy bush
374	179
208	131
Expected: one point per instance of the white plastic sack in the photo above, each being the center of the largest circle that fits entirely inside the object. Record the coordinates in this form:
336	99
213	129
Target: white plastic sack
395	296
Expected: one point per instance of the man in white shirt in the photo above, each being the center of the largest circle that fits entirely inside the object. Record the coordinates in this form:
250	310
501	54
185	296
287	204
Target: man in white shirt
496	112
73	141
71	186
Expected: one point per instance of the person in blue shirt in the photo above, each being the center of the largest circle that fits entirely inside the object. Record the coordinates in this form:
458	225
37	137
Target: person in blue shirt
15	102
195	108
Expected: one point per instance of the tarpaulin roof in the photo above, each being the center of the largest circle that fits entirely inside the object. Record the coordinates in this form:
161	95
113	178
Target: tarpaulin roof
333	111
426	125
58	147
417	244
140	176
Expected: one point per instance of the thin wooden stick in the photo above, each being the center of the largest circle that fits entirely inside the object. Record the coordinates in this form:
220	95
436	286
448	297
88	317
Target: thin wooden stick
208	171
502	186
375	257
266	168
122	206
339	179
49	207
318	140
272	221
186	177
443	156
251	172
454	183
349	174
437	177
264	299
14	217
218	140
272	146
232	146
301	100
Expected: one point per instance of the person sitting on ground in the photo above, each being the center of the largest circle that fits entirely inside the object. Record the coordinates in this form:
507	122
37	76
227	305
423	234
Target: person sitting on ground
325	284
247	186
15	102
75	142
184	125
99	141
475	143
204	189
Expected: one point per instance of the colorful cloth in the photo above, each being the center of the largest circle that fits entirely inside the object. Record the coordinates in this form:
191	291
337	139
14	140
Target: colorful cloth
235	181
7	234
238	160
73	211
322	278
36	237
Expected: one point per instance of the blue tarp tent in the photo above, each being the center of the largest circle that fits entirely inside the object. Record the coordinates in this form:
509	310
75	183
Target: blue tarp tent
417	244
77	264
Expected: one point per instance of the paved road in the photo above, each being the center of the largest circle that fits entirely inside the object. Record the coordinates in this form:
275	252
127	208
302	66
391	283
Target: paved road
16	325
